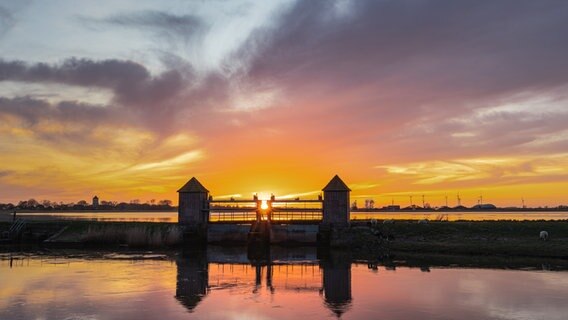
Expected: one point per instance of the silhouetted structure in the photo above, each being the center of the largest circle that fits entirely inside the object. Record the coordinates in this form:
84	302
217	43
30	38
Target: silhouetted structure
95	202
336	203
271	220
193	210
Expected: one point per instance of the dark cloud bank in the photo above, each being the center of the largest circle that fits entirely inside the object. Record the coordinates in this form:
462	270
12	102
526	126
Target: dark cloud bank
419	61
139	98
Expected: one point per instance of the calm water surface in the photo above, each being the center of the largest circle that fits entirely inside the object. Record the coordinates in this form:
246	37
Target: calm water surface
359	215
280	284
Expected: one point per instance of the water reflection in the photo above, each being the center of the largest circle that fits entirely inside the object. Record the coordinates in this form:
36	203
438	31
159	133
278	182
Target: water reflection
337	281
277	271
192	278
278	283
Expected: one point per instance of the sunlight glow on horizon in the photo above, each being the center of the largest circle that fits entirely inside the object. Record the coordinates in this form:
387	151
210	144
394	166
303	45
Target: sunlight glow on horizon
130	100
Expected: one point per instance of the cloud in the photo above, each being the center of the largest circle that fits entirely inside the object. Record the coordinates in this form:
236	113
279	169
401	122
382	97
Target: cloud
431	43
77	127
131	82
471	171
9	12
183	34
7	20
381	70
169	164
153	101
32	111
5	173
183	25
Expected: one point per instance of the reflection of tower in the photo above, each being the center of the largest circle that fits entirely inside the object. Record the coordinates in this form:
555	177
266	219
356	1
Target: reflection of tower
259	256
192	278
337	282
259	268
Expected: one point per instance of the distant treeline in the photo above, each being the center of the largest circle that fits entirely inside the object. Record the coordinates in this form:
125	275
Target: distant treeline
461	208
46	205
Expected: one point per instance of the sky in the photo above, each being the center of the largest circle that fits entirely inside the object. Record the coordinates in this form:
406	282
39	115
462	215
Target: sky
130	99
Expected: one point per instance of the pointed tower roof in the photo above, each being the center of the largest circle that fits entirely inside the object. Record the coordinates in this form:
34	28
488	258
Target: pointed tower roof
336	184
192	186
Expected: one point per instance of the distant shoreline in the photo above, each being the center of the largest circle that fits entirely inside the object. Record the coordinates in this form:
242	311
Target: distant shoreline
467	210
174	209
84	211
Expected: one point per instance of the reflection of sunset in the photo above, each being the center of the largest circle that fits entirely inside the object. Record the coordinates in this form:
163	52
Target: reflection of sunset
297	286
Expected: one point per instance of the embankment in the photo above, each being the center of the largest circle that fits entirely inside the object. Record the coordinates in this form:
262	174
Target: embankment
88	233
506	238
485	238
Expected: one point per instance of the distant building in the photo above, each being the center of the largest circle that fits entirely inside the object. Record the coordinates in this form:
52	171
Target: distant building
392	207
485	206
95	202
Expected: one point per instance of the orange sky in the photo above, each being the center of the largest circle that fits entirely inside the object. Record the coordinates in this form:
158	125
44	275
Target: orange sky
130	103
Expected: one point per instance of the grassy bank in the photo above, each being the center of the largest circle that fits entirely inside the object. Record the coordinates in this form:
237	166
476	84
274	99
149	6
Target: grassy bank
507	238
88	233
479	238
131	234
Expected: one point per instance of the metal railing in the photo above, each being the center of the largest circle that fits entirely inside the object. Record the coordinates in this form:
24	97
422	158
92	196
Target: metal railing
296	215
278	210
232	216
280	215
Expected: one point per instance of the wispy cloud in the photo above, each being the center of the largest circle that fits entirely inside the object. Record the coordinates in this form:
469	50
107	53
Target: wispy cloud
483	169
170	164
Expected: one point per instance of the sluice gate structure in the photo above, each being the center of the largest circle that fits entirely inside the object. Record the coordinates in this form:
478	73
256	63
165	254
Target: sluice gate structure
205	219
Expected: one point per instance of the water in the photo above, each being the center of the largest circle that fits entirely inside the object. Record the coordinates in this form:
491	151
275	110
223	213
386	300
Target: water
296	283
170	216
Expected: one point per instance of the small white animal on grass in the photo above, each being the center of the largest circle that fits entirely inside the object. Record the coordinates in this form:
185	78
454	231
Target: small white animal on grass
423	221
543	235
389	221
373	222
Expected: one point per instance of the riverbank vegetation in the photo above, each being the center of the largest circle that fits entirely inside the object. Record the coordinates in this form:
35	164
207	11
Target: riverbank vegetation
480	238
507	238
136	235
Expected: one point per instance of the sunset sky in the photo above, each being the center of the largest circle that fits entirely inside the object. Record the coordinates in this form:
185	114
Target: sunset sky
130	99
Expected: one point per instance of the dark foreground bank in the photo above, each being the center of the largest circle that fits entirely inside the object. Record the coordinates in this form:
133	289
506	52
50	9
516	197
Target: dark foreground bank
506	238
484	238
